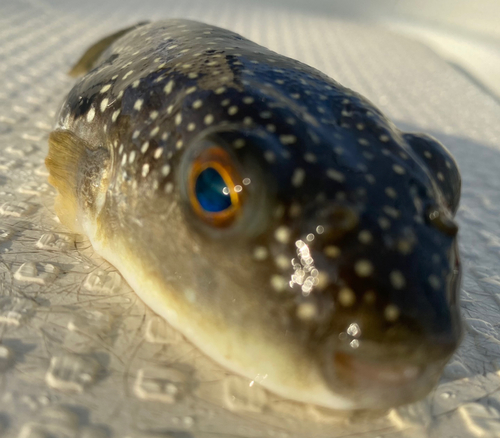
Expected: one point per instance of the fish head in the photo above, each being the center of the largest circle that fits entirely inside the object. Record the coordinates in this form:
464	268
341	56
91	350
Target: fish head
354	266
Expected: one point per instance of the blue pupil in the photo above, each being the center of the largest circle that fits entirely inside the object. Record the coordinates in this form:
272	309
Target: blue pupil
209	191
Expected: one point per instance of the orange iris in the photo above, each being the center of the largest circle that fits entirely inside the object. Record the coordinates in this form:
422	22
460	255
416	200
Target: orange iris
215	187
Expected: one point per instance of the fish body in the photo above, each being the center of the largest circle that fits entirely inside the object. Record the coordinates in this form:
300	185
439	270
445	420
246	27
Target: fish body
276	218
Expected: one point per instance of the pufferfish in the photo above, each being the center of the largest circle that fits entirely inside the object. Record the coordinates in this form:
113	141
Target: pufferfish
275	218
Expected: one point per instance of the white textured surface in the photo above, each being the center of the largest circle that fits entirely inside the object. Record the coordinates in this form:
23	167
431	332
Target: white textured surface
81	356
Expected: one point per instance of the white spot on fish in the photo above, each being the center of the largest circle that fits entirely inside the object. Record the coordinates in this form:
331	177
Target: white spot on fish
168	88
363	268
398	169
138	104
165	170
126	75
260	253
104	104
282	234
397	279
239	143
391	312
298	177
434	281
370	178
270	156
365	237
288	139
90	115
158	152
335	175
389	191
310	157
278	283
346	297
306	311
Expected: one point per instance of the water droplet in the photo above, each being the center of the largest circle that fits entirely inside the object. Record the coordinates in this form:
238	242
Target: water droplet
16	209
481	420
102	281
188	421
239	396
6	358
54	422
71	372
38	273
91	321
34	188
161	384
21	149
15	311
8	163
92	432
55	242
41	171
158	331
5	234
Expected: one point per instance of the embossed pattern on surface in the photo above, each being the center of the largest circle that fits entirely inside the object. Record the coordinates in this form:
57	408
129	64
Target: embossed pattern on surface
81	356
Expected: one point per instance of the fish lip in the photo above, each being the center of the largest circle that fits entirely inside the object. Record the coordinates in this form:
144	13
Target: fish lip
384	378
368	372
373	384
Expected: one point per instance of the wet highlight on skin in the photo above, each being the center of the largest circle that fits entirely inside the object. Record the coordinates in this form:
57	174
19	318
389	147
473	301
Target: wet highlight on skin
274	217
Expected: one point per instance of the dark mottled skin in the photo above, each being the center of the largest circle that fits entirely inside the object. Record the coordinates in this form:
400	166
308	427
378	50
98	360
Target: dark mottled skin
318	154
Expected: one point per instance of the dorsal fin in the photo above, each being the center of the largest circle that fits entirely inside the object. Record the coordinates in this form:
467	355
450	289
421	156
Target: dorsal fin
89	58
441	164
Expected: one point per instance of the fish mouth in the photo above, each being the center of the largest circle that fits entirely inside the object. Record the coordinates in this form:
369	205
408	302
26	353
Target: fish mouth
382	384
371	374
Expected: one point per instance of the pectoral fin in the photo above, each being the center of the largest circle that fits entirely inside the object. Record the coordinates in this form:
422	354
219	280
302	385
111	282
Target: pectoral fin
66	152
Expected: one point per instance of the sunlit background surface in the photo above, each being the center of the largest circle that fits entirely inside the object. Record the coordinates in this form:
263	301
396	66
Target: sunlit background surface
81	356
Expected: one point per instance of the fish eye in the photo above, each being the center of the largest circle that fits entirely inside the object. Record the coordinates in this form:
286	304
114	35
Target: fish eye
215	187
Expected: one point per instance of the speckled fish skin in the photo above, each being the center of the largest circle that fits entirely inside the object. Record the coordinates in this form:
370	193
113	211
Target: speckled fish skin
338	283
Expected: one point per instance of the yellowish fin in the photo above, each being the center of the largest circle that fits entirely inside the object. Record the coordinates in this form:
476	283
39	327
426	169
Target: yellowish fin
66	151
90	57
